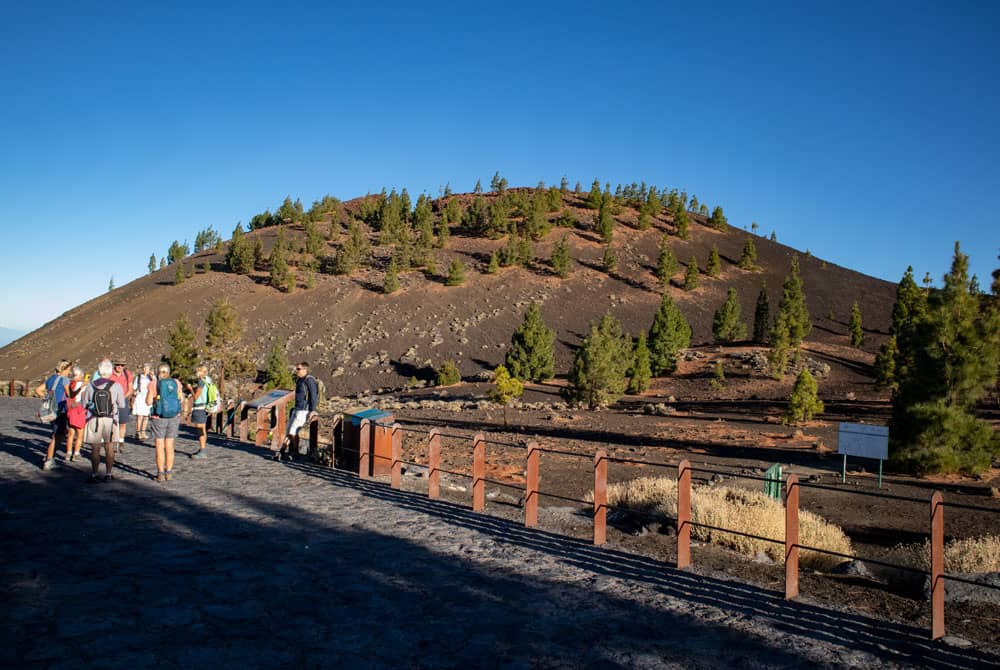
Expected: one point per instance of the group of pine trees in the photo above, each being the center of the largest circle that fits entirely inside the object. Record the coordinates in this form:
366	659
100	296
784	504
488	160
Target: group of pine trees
941	358
223	336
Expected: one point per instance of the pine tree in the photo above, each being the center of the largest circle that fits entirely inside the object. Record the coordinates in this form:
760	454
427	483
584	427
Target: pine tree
605	223
152	263
258	252
610	259
279	262
163	262
448	374
561	258
111	284
179	274
276	372
718	220
691	275
896	355
391	282
718	375
857	333
443	232
727	326
240	257
183	355
953	357
666	264
598	374
505	389
315	244
456	273
645	220
641	372
748	259
595	197
479	187
531	356
682	223
774	236
804	402
792	310
494	266
669	334
224	332
762	316
714	264
781	348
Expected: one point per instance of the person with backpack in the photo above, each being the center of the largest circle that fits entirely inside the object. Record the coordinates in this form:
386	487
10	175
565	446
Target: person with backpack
164	400
102	398
206	401
53	410
76	412
140	408
123	377
306	402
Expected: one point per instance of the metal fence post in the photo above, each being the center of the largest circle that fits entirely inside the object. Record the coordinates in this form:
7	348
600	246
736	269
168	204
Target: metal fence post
478	472
937	565
531	487
396	474
434	464
683	514
791	537
600	497
365	449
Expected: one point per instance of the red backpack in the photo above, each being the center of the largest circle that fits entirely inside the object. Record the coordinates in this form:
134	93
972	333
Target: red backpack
76	413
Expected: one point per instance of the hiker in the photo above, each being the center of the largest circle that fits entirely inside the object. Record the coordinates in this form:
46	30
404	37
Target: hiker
103	398
205	399
53	389
76	412
306	402
123	377
164	400
140	408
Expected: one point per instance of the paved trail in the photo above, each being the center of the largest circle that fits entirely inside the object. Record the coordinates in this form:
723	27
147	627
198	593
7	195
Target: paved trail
245	563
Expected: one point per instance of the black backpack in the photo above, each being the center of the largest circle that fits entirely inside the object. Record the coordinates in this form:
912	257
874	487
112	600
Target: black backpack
101	404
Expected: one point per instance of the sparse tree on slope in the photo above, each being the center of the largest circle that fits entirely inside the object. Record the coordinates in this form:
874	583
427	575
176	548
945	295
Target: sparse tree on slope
561	259
456	273
762	316
152	263
598	374
718	220
895	356
183	355
691	275
727	326
669	334
804	402
280	272
276	372
714	264
748	258
531	355
855	329
391	282
505	389
240	257
641	372
224	333
666	263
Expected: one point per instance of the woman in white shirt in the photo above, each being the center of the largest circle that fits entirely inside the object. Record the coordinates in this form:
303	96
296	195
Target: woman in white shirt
139	407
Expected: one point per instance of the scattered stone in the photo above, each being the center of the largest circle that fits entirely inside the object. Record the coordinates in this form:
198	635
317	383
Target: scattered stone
853	569
763	558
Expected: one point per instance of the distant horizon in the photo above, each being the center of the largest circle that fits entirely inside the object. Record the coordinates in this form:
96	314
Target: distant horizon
863	134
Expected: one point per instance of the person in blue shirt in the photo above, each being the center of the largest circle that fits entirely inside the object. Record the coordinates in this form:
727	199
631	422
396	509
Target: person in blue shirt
56	384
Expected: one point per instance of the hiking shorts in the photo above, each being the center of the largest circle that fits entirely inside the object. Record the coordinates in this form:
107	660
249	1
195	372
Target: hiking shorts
60	425
164	429
199	417
299	417
100	429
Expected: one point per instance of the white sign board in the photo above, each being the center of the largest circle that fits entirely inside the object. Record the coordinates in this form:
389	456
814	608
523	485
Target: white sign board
860	439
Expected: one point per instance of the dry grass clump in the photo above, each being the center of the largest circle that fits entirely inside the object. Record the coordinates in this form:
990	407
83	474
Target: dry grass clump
971	555
739	509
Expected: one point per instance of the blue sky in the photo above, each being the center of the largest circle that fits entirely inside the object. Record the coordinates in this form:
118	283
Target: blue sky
866	135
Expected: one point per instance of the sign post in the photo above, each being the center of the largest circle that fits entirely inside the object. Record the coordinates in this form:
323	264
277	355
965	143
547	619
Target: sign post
865	441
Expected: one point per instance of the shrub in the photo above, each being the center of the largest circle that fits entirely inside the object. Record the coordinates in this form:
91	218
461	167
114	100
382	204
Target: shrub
804	402
448	374
456	273
969	555
747	511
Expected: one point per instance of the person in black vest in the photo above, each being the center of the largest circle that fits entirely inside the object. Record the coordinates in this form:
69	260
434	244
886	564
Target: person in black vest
306	402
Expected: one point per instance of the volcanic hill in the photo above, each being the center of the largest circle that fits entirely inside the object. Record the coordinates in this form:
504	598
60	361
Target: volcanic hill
359	339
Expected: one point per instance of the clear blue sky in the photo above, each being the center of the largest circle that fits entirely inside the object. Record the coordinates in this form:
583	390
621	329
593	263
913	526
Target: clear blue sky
867	135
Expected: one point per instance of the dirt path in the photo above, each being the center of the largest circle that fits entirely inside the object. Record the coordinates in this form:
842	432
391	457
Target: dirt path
243	562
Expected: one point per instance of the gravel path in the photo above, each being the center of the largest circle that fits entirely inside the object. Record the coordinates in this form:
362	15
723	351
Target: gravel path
242	562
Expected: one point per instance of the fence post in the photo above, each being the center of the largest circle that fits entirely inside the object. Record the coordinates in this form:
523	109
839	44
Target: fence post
396	471
600	497
262	417
478	472
937	566
314	438
791	537
364	449
683	514
280	426
531	487
434	464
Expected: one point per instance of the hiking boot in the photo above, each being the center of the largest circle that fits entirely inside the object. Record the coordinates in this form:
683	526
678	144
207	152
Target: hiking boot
199	454
49	464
